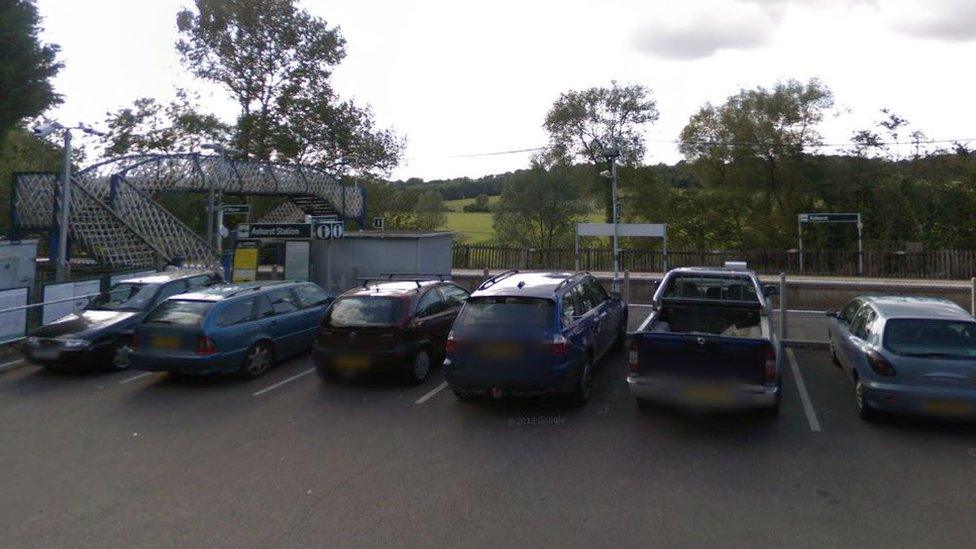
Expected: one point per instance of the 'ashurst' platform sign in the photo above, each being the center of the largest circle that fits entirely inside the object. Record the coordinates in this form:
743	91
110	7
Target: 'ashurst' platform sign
278	231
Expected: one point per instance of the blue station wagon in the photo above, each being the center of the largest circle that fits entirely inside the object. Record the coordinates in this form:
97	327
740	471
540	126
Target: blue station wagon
226	329
533	333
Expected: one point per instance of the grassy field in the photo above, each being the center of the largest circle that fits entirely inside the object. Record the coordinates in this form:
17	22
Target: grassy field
476	227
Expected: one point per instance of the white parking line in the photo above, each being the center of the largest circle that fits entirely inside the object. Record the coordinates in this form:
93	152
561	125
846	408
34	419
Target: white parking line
12	364
282	382
431	394
133	378
804	396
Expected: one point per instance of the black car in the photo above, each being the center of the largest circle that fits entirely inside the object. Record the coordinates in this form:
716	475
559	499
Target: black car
100	334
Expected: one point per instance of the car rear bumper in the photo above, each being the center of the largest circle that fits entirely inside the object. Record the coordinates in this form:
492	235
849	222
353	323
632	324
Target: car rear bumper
916	400
703	393
557	379
186	364
338	359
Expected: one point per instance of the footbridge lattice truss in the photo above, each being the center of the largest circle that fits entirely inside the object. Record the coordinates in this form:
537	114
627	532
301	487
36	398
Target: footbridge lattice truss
116	220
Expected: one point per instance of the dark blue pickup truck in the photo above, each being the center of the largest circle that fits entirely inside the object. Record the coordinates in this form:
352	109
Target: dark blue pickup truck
707	342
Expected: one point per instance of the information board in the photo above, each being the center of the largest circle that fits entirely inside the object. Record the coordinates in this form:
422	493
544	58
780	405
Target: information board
245	261
296	260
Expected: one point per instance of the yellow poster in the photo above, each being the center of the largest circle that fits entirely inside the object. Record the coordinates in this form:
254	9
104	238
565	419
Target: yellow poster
245	262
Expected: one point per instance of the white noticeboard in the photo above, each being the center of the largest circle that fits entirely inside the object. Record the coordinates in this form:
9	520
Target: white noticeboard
55	292
13	325
296	260
650	230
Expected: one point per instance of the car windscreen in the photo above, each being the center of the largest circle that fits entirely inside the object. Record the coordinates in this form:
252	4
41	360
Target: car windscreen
125	296
711	288
931	338
365	311
507	311
180	312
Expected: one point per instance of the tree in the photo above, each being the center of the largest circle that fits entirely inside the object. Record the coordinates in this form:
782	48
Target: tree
481	204
430	211
275	60
21	151
26	65
539	208
149	126
581	122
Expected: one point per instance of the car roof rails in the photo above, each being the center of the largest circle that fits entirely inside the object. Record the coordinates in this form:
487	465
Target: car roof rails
495	279
569	279
258	287
394	277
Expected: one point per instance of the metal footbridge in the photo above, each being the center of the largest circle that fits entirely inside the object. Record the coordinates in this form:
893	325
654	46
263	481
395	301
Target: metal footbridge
117	221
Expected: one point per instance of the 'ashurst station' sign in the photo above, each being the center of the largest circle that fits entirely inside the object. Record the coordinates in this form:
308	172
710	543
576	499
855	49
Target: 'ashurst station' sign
277	231
830	218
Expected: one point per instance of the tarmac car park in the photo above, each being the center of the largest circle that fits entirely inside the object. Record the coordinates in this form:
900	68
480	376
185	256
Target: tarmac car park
288	460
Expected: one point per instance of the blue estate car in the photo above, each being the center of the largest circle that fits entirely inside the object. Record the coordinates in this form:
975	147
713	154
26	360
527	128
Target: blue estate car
906	355
533	333
235	328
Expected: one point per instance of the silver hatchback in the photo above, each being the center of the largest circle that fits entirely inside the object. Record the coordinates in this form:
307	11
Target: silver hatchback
906	355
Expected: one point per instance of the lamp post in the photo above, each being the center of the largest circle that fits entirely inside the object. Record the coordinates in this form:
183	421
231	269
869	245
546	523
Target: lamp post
212	203
611	154
44	130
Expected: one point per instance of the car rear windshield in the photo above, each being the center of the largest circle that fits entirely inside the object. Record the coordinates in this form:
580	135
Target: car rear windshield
179	311
711	288
507	311
931	338
365	311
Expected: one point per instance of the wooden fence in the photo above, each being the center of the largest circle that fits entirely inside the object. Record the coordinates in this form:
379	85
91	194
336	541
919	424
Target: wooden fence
939	264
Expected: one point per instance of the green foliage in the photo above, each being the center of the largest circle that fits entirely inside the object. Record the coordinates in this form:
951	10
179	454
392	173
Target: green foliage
26	65
539	208
481	204
429	211
275	59
22	152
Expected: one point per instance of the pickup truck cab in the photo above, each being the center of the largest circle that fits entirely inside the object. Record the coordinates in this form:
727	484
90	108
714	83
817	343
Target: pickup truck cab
707	342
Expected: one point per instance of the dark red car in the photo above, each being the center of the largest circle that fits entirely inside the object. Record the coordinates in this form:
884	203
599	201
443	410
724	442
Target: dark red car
399	327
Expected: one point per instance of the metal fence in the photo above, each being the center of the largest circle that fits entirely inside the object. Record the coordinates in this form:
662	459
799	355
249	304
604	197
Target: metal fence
939	264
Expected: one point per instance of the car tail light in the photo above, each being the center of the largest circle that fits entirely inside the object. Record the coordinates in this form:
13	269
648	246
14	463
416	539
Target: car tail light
880	364
560	345
451	345
205	346
633	358
769	373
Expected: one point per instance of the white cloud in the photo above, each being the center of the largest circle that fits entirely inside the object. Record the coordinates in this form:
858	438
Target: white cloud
946	20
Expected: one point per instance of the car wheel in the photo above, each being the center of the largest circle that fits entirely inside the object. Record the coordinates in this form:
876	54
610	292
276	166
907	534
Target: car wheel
773	410
327	373
864	409
257	361
120	359
584	385
419	368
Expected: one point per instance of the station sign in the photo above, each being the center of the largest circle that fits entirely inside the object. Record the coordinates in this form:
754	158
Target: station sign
830	218
378	223
331	230
275	231
236	209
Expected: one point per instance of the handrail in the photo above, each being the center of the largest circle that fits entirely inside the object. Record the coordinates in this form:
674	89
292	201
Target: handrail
41	304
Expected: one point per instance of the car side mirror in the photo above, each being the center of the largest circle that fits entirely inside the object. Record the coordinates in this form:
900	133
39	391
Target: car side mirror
770	290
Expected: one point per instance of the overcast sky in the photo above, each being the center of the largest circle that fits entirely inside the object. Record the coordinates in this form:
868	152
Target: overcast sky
459	78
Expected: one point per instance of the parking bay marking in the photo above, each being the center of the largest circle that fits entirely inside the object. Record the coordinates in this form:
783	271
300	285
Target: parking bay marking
282	382
804	396
135	377
431	394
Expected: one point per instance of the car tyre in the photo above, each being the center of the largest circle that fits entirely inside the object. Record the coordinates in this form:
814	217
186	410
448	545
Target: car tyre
120	360
419	367
327	373
584	385
864	409
466	396
257	361
773	410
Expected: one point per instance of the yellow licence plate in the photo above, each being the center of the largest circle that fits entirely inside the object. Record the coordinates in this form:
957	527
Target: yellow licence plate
947	407
707	394
502	351
166	342
352	362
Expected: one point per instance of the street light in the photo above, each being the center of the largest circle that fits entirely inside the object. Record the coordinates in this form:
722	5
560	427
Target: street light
42	131
212	206
612	153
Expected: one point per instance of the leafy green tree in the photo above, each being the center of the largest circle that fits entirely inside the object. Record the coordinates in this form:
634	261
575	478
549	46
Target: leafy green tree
429	211
539	208
580	123
481	204
21	151
275	59
26	65
149	126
